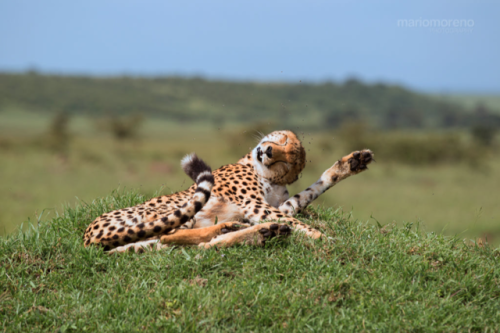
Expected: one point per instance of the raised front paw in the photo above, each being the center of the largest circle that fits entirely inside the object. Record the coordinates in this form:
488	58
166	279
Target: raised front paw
359	160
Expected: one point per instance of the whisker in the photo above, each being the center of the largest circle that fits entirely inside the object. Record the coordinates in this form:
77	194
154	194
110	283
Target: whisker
258	136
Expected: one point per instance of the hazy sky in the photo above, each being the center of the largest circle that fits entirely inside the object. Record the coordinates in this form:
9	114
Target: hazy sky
260	40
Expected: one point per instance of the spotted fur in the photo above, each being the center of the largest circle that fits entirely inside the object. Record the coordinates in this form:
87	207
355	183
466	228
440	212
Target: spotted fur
239	196
153	218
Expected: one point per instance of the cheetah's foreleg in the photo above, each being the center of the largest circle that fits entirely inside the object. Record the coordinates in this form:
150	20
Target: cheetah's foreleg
349	165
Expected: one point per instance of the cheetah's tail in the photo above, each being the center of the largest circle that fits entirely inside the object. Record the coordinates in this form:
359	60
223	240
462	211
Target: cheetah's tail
201	173
194	166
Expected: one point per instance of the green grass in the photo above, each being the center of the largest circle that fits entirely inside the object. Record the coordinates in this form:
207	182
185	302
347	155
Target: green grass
364	278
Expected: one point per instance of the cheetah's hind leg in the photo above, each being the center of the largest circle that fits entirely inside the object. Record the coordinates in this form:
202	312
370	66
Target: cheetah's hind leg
139	247
256	235
182	237
197	236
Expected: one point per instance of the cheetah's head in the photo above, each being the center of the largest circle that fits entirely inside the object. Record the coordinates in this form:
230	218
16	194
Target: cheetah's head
279	157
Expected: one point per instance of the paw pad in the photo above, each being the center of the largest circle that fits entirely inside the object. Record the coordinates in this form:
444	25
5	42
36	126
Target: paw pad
359	160
274	230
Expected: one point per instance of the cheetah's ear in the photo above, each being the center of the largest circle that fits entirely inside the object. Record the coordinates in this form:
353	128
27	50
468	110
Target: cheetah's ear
193	166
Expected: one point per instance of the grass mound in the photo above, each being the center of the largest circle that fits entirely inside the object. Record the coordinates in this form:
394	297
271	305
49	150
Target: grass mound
363	278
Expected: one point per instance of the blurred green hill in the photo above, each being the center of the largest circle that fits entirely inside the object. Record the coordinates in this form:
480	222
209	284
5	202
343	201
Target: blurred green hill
325	105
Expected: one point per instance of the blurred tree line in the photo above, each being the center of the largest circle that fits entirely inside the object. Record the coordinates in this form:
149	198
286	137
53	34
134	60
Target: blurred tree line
314	106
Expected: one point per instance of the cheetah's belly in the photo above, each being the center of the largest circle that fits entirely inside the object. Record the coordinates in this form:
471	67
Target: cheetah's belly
217	207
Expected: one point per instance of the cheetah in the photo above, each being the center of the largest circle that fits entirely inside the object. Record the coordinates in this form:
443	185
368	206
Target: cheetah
242	203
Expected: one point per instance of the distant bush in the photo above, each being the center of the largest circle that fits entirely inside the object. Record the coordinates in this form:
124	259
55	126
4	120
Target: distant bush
122	127
483	134
58	133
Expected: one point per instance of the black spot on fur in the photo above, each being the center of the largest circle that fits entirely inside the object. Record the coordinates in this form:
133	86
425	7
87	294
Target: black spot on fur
197	206
141	234
184	219
157	228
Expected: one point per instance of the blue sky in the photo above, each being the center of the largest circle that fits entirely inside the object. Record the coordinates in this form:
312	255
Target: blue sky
259	40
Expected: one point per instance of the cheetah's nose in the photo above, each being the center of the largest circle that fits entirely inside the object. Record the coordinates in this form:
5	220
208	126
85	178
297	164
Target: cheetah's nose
269	151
